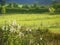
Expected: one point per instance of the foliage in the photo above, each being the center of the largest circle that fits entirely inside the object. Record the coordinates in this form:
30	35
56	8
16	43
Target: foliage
14	8
56	6
15	34
33	8
3	10
12	5
27	10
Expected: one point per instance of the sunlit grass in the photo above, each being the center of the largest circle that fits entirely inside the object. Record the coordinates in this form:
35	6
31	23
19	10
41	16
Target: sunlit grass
32	20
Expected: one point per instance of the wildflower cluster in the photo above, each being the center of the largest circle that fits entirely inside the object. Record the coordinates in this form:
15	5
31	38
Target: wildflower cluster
15	34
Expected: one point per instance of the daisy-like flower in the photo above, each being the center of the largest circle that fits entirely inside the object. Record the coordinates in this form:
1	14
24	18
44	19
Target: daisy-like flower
12	29
21	34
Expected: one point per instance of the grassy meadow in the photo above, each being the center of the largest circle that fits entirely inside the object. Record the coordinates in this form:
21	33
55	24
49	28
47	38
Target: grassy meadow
29	24
33	20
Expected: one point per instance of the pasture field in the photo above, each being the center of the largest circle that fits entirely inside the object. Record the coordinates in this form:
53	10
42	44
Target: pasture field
33	20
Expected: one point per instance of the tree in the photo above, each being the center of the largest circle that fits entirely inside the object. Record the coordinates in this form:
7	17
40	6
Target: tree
3	9
35	5
56	6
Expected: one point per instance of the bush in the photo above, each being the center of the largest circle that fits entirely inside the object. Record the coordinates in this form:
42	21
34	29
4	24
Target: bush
51	10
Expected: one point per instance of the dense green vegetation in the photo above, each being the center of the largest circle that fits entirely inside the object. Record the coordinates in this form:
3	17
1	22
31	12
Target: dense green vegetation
32	8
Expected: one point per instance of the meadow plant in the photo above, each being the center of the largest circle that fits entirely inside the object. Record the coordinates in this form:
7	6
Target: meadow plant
21	34
15	34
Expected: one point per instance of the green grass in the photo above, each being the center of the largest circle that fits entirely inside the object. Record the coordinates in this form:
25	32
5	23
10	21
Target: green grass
33	20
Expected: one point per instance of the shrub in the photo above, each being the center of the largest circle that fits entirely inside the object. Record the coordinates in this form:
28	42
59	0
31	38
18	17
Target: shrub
51	10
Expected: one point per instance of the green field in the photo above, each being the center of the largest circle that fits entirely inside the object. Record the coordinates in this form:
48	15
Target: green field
33	20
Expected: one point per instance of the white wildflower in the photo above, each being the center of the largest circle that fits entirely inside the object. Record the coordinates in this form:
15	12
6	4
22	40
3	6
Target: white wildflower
21	34
41	38
12	29
30	30
3	28
27	29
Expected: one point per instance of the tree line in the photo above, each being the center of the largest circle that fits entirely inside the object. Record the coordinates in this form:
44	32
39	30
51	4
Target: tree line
27	8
